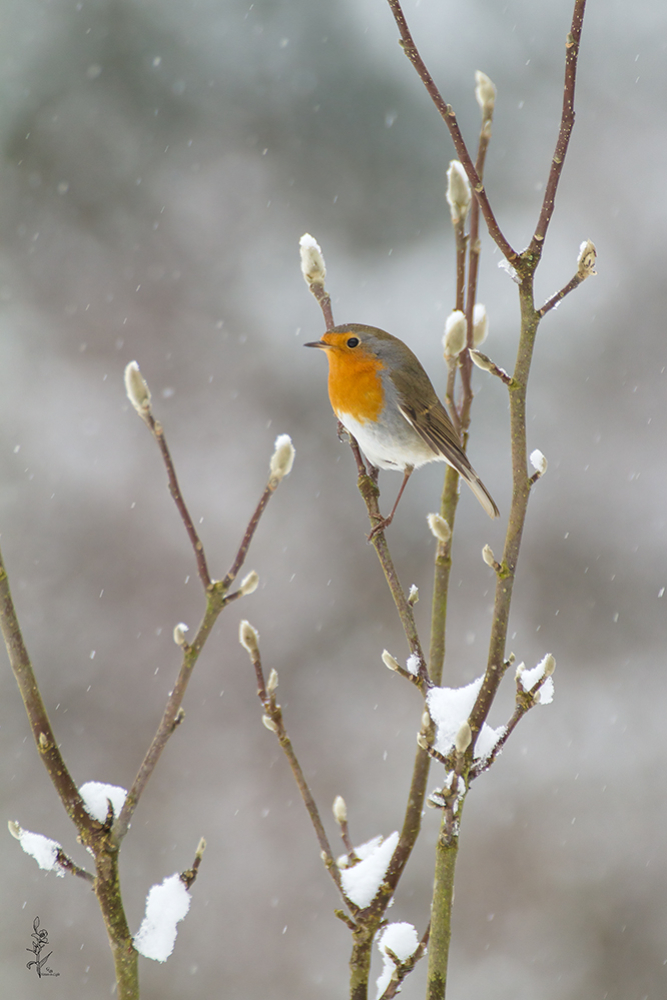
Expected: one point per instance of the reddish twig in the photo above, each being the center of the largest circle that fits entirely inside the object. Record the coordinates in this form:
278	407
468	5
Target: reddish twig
566	125
447	114
156	429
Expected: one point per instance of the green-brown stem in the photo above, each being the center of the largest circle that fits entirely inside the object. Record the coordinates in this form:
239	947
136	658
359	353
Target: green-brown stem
107	890
447	114
446	853
517	517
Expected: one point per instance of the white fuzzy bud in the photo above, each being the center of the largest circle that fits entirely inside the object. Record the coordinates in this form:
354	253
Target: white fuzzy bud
201	847
269	723
488	556
14	828
248	637
179	634
439	527
538	461
390	661
463	737
485	94
426	721
458	191
586	259
481	360
272	683
480	324
549	664
249	583
519	670
454	337
137	389
413	595
282	459
313	267
422	742
340	810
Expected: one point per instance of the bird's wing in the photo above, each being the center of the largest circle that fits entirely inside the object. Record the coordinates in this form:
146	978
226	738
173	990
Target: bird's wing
435	428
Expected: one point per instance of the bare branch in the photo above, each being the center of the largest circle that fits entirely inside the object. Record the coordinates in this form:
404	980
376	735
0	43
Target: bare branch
175	490
274	715
36	711
66	862
403	969
449	118
566	125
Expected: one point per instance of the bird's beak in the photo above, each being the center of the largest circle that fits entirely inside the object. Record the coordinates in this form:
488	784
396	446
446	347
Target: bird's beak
317	343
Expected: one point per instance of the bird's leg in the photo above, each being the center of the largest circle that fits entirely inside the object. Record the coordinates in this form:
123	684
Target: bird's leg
386	521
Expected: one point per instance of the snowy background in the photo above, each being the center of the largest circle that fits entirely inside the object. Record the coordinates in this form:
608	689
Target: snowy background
160	161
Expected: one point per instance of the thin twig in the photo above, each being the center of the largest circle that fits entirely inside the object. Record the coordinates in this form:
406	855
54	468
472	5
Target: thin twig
158	433
525	700
274	713
36	711
216	599
530	319
190	874
566	125
66	862
474	250
551	303
324	302
403	969
253	523
449	118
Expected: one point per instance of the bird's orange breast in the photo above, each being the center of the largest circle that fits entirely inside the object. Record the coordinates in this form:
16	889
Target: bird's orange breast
355	385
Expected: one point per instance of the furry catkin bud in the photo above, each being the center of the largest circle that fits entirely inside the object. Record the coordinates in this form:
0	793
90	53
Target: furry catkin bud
137	389
463	737
269	723
248	637
481	360
549	664
14	828
413	595
282	459
485	94
272	683
586	259
201	847
313	267
340	810
480	324
488	556
179	634
538	461
439	527
458	192
390	661
249	583
454	337
422	742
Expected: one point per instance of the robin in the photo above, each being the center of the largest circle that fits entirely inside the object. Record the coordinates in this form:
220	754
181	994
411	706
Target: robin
384	398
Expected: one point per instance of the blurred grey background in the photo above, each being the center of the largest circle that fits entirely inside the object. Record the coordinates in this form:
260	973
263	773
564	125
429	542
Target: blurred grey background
160	161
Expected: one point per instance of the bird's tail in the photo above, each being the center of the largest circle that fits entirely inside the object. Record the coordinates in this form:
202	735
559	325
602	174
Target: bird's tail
480	491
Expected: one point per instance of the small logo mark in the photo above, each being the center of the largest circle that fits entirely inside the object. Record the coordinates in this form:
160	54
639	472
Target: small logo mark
40	941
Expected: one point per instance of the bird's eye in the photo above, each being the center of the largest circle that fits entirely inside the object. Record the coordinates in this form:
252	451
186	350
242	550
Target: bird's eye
353	342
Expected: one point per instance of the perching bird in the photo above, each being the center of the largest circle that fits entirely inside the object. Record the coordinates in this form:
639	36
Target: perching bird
381	394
